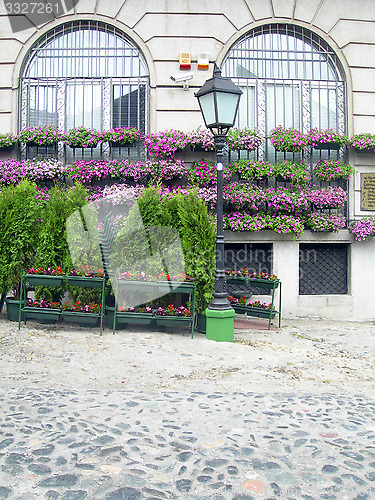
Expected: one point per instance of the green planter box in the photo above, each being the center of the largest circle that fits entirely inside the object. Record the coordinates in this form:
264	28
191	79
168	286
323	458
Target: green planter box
240	309
136	286
260	313
175	286
85	281
124	318
43	280
172	320
42	315
255	282
13	309
83	319
201	323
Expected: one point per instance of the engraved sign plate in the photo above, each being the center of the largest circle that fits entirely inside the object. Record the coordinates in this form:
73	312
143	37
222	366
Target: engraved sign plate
368	192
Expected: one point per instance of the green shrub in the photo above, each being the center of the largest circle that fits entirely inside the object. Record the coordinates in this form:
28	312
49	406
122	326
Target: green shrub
20	225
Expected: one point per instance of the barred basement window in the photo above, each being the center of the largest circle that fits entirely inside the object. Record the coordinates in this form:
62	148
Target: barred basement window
323	269
84	73
290	77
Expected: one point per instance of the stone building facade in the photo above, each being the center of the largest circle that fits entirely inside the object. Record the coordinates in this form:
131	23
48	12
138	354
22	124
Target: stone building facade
157	31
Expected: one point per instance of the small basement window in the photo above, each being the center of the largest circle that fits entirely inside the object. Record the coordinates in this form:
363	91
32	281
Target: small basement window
323	269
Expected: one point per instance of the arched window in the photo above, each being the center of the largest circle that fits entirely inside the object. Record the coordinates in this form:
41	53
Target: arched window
290	77
84	73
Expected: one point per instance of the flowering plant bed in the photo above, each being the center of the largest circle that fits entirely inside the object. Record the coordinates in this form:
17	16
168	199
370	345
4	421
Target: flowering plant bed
363	142
317	222
244	273
200	140
326	139
43	311
362	229
329	197
7	140
238	304
288	139
287	224
327	170
85	271
296	173
40	136
44	277
77	307
251	170
86	277
261	310
203	173
244	139
165	144
168	169
121	136
82	137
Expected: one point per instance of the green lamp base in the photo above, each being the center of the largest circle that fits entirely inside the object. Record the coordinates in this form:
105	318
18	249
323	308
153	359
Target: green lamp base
220	325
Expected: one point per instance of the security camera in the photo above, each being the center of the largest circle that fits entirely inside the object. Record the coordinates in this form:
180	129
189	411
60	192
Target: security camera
184	78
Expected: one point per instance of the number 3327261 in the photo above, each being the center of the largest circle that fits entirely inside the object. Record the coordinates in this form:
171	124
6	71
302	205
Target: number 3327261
32	8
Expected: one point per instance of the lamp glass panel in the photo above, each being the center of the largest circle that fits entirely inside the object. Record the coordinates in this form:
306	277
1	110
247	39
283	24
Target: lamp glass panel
227	107
208	108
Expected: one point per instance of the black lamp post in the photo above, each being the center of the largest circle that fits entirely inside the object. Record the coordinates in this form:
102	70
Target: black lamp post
219	99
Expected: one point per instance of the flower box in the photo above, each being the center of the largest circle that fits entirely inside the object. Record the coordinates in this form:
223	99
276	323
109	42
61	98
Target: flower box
85	281
13	309
44	280
362	151
333	146
83	319
136	286
260	312
122	144
42	315
175	286
123	318
172	320
255	282
239	309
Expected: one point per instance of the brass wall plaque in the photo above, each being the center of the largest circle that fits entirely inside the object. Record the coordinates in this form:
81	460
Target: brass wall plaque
367	191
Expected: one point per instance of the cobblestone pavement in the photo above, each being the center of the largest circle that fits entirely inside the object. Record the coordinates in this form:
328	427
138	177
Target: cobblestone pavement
74	441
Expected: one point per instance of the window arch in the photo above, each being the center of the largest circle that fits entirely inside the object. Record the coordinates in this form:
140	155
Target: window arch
290	77
84	73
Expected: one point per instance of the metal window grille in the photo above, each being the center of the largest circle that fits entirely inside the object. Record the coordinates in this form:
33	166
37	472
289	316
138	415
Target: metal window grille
84	73
323	269
290	77
255	257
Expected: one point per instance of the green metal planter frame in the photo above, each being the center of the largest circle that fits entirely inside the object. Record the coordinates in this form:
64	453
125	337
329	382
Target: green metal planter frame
164	287
271	285
46	280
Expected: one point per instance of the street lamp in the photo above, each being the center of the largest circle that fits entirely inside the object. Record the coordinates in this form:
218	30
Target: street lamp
218	100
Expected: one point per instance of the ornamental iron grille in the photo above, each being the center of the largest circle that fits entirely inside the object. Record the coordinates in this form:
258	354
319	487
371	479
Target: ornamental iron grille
289	77
323	269
256	258
85	73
